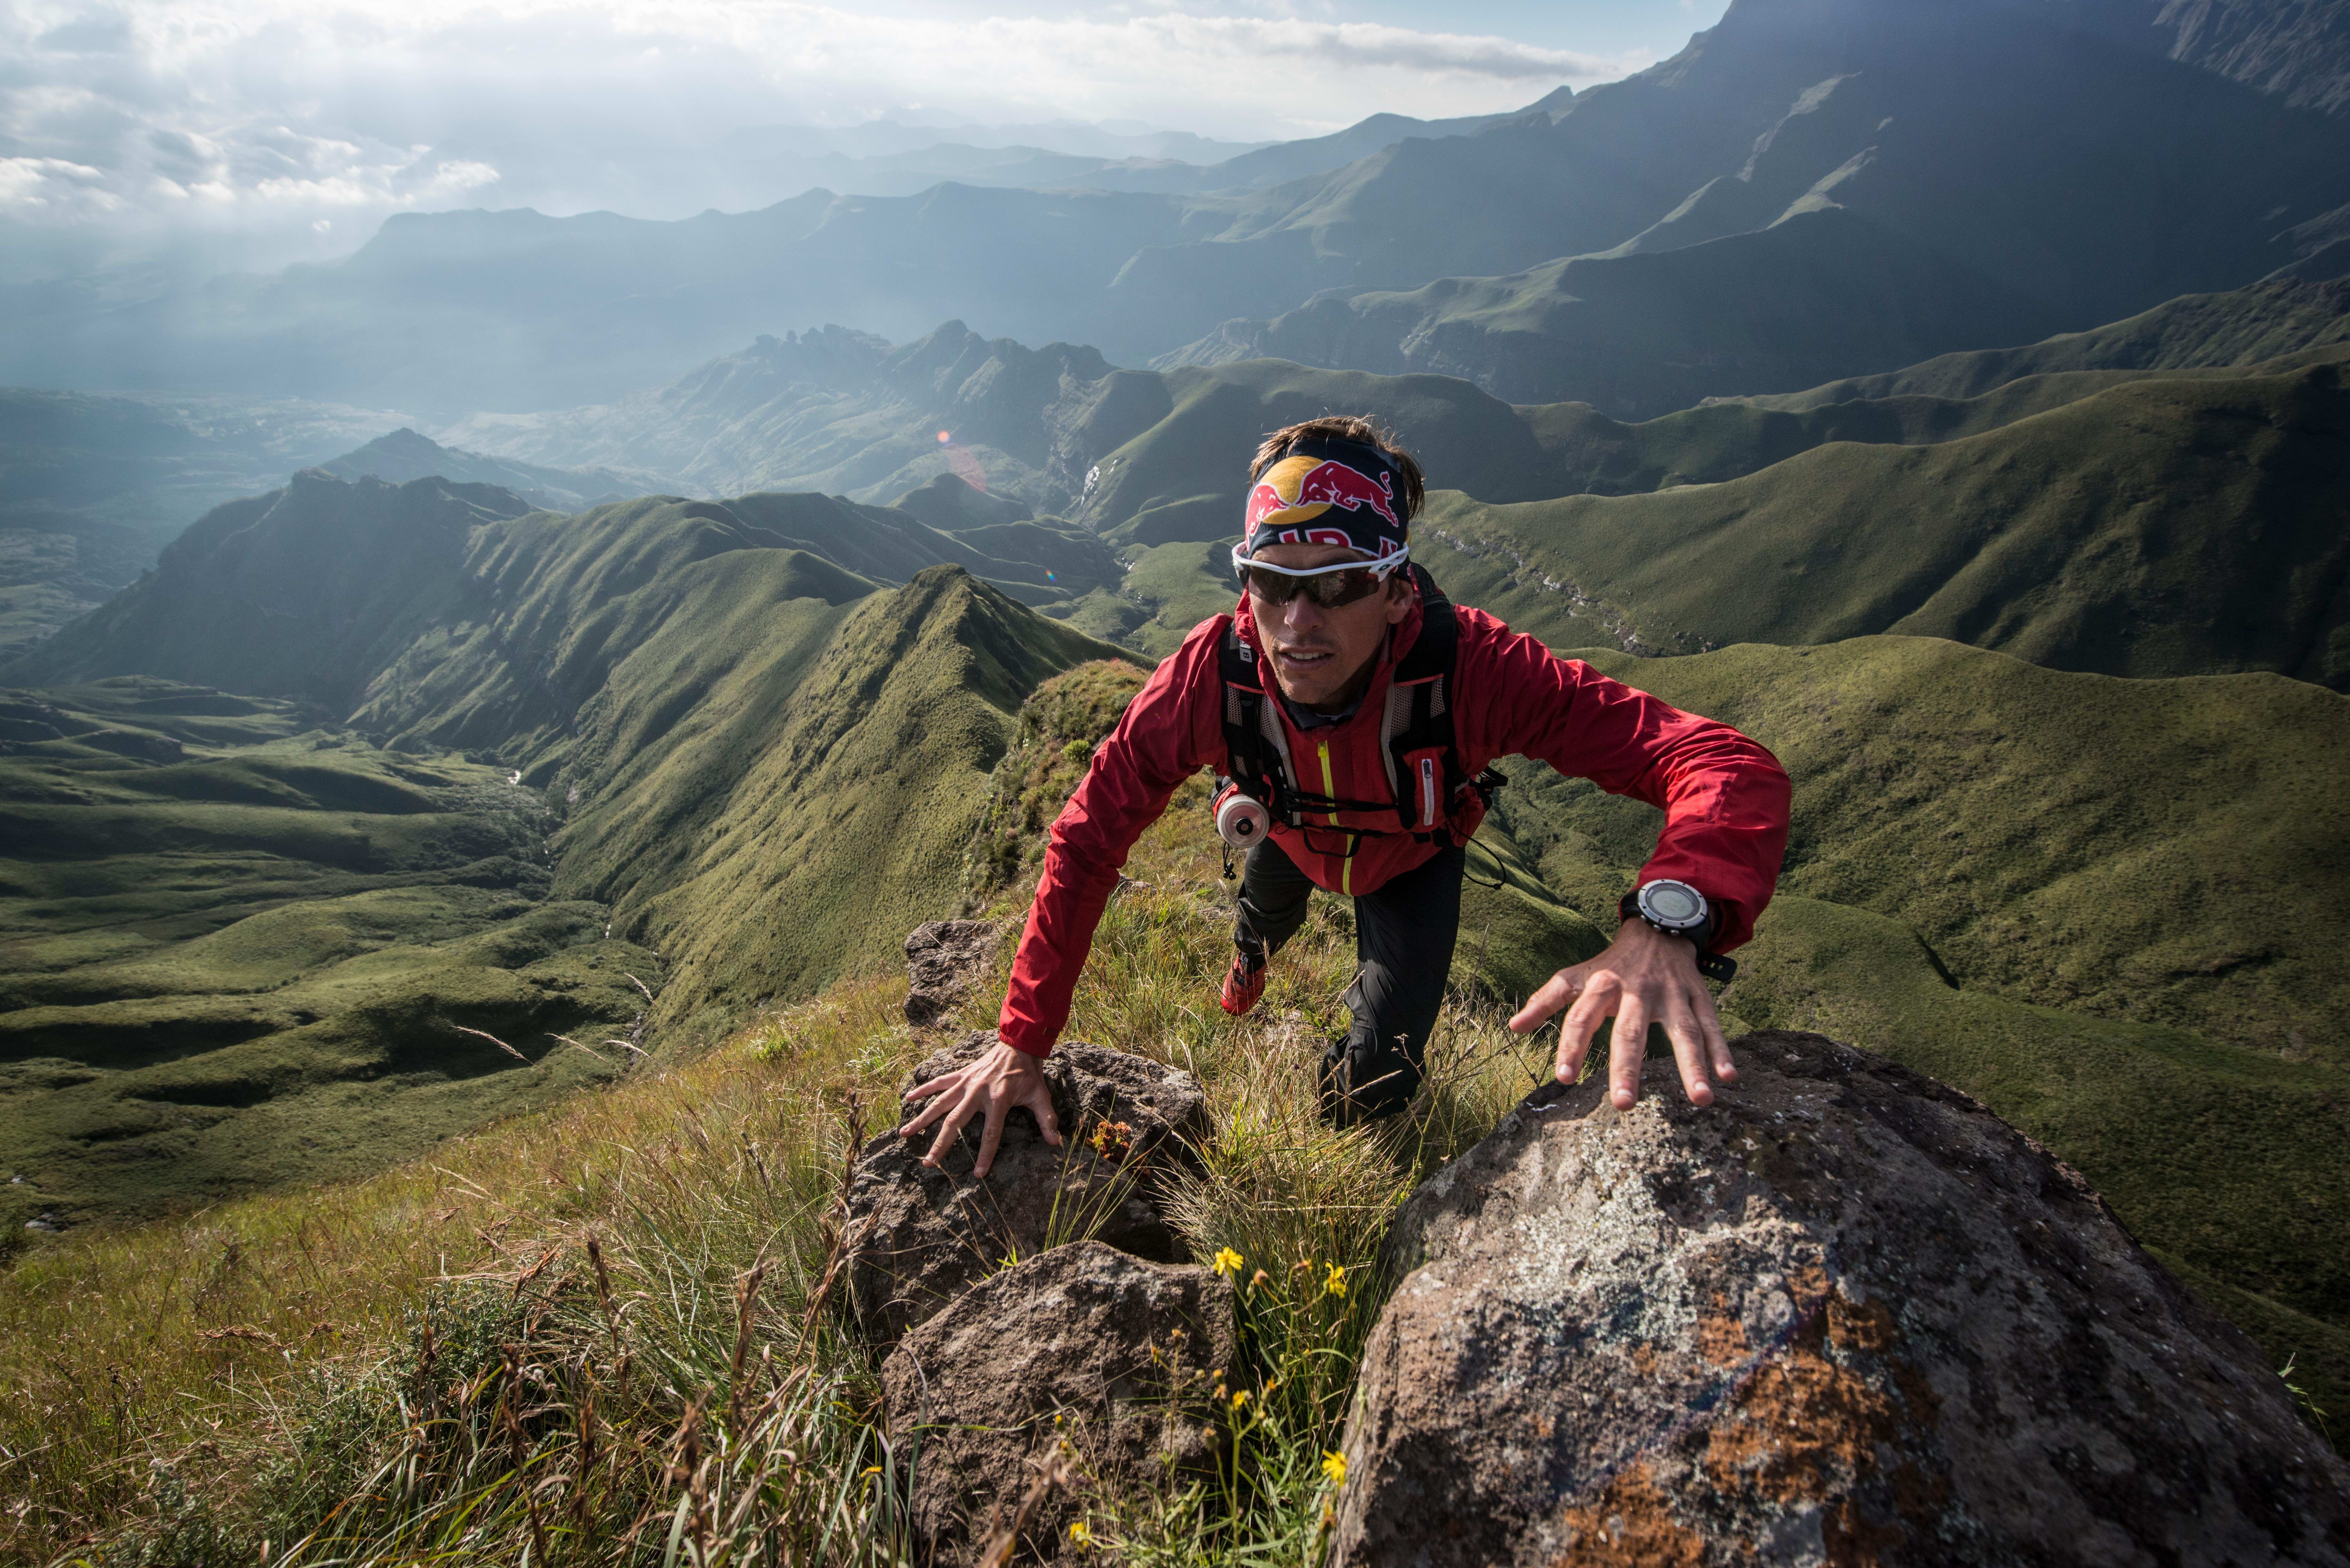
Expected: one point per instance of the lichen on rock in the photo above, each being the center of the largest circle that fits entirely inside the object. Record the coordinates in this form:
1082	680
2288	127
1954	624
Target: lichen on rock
1844	1316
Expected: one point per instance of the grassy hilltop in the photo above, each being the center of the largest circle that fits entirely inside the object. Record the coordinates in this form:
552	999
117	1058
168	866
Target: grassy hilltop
523	759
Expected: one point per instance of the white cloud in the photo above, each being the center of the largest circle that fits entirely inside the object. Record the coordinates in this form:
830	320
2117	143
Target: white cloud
288	112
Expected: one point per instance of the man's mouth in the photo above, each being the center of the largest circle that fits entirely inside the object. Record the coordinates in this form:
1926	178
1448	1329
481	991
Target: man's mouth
1305	658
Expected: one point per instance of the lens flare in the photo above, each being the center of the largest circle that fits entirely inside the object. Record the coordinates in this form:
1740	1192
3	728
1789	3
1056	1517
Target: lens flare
945	436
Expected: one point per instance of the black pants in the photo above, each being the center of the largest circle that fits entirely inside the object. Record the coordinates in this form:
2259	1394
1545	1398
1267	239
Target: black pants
1403	949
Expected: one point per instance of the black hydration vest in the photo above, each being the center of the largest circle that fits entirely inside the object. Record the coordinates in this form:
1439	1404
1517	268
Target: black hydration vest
1424	768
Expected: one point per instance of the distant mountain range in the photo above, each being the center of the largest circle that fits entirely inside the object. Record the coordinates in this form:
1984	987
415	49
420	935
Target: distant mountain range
1812	188
91	489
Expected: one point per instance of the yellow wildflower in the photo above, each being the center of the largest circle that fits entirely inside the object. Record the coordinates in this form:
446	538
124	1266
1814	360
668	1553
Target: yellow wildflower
1227	1261
1080	1534
1240	1399
1336	1283
1333	1469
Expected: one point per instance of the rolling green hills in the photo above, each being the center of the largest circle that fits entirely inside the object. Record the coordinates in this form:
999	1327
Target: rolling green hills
240	948
2157	528
2266	329
513	758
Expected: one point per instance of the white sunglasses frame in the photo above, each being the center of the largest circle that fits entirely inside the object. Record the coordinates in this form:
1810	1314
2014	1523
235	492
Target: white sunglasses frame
1384	566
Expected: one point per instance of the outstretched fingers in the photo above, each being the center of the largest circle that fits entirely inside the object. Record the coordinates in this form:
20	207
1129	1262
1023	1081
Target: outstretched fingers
1630	1043
937	1106
965	1107
991	1135
1040	1106
1556	992
1689	1049
1717	1045
1595	999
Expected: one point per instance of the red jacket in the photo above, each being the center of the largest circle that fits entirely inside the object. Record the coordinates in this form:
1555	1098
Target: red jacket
1725	797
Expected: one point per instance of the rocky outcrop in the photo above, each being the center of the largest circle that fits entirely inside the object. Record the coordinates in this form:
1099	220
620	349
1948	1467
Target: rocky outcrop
1076	1368
1845	1315
944	959
918	1237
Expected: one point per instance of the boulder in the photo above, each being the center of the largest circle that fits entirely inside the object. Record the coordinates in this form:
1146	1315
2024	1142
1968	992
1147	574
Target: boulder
917	1237
1081	1354
944	959
1843	1315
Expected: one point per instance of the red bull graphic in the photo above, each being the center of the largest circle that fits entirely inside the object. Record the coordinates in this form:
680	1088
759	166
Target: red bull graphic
1297	490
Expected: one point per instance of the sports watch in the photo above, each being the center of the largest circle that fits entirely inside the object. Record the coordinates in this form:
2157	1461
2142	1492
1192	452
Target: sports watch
1679	910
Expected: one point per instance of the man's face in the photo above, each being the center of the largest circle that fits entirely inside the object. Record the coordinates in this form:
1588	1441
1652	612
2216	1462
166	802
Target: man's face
1322	657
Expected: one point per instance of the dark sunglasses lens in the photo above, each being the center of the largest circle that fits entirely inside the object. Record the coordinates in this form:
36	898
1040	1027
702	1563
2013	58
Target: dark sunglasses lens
1329	590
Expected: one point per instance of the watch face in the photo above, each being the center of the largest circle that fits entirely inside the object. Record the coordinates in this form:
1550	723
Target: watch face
1672	904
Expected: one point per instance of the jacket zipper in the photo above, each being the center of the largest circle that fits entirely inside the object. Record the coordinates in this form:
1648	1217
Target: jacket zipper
1330	790
1428	792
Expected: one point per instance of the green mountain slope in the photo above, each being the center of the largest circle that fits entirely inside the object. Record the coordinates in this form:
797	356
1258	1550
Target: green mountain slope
2275	326
326	589
2158	528
239	950
2156	851
306	591
718	760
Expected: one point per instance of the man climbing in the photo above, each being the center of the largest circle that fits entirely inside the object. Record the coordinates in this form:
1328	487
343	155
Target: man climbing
1360	769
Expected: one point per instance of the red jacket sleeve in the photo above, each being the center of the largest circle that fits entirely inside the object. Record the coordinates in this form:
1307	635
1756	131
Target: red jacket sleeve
1170	732
1725	797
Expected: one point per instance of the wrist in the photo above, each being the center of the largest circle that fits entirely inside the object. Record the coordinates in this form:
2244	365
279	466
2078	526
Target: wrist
1672	908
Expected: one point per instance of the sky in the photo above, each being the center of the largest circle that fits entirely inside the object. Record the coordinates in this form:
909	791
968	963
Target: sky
256	131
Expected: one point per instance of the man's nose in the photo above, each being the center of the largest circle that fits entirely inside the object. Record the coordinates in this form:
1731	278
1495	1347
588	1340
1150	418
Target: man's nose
1301	614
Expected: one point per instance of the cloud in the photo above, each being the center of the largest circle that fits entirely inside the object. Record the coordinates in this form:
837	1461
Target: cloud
169	112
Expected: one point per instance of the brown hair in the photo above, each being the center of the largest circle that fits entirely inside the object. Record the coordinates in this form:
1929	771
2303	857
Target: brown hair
1346	427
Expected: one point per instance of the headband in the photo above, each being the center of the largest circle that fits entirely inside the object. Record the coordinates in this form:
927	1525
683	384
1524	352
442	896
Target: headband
1328	491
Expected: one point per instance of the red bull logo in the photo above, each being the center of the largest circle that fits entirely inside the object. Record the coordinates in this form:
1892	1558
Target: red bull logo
1297	490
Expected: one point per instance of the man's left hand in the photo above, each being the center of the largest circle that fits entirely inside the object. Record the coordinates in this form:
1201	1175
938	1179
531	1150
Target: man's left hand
1644	977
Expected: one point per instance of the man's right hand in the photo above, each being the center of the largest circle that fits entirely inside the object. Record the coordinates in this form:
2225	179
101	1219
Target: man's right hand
995	1084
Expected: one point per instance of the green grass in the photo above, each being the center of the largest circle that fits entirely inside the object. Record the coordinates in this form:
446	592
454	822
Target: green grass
2158	528
250	967
2265	328
433	1361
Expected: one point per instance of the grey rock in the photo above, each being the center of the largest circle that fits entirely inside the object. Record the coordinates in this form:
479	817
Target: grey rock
1081	1354
1843	1315
917	1237
944	960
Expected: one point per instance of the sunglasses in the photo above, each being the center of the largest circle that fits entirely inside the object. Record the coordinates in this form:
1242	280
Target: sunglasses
1328	590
